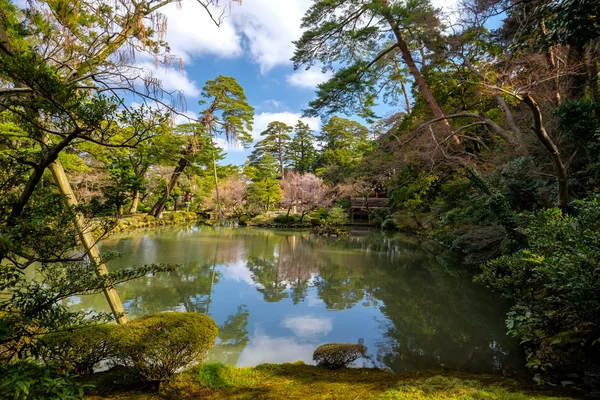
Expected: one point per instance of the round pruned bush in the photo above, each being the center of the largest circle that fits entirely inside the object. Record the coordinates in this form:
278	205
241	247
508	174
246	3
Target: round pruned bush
338	355
315	221
389	225
78	350
157	346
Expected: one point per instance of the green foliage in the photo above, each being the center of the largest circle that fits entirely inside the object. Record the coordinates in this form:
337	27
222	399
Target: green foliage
338	355
554	285
301	152
157	346
315	221
25	381
389	225
78	350
337	216
378	215
243	220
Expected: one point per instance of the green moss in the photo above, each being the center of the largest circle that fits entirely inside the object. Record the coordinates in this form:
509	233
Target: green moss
298	381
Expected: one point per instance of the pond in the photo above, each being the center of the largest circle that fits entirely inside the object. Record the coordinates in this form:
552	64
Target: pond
277	295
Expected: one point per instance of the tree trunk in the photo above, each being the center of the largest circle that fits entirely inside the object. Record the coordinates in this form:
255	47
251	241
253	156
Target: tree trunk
559	167
88	241
577	77
423	87
159	207
406	100
219	212
593	50
135	202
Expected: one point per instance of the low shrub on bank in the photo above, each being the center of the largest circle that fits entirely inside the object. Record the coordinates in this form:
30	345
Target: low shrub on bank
554	284
338	355
157	346
78	350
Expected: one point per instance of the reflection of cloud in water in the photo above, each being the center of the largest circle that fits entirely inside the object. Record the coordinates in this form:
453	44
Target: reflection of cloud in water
313	300
268	349
308	326
239	272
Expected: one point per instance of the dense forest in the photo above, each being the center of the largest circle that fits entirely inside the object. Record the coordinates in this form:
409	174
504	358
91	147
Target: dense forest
481	129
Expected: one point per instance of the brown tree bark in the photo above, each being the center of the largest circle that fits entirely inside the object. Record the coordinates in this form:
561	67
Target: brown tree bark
593	51
159	207
544	138
135	202
416	74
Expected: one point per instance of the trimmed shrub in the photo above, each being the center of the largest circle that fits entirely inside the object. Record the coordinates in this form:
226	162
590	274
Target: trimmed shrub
315	221
389	225
243	221
338	355
78	350
159	345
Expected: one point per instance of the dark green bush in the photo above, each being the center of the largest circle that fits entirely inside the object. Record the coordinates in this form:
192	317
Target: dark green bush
338	355
315	221
26	381
243	220
157	346
78	350
389	225
378	215
554	284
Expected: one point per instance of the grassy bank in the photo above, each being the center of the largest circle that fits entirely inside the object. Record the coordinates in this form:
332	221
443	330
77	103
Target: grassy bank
138	221
300	381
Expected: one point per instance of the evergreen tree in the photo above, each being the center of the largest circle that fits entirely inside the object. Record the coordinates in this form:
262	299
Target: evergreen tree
277	138
301	150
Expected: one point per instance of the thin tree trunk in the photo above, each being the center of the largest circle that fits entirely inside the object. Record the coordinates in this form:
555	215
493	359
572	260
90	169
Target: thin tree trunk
219	213
159	207
406	100
423	87
135	202
559	167
577	78
593	50
510	121
88	241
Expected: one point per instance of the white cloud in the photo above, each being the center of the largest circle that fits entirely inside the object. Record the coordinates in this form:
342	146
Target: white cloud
270	27
264	29
171	79
308	79
262	120
191	32
266	349
308	326
184	117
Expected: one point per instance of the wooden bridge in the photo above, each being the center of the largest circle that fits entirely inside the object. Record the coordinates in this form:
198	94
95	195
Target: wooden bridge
360	207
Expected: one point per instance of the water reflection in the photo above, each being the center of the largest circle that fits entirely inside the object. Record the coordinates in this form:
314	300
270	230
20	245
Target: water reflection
277	295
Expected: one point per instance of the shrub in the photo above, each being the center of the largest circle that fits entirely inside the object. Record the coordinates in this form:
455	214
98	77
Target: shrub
243	220
378	216
389	225
315	221
159	345
78	350
337	216
554	284
26	381
338	355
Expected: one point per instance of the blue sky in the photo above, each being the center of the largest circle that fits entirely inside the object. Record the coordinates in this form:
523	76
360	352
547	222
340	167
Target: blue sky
253	45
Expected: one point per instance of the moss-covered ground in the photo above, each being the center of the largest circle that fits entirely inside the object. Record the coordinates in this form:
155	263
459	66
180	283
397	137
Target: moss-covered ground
300	381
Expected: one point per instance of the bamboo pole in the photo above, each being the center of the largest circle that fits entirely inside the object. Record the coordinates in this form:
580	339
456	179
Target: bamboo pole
88	241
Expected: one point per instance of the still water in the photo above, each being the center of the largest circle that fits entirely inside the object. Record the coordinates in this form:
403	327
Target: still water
277	295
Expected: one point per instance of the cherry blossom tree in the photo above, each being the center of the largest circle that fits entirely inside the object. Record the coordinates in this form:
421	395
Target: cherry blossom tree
304	192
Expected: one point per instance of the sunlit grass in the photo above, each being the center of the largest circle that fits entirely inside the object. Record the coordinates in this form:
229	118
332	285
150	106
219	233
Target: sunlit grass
299	381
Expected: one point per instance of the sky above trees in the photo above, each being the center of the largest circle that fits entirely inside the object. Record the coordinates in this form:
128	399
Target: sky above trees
253	45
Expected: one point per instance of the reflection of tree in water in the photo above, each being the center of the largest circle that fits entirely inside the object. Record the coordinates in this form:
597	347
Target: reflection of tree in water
438	317
233	337
266	271
338	288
